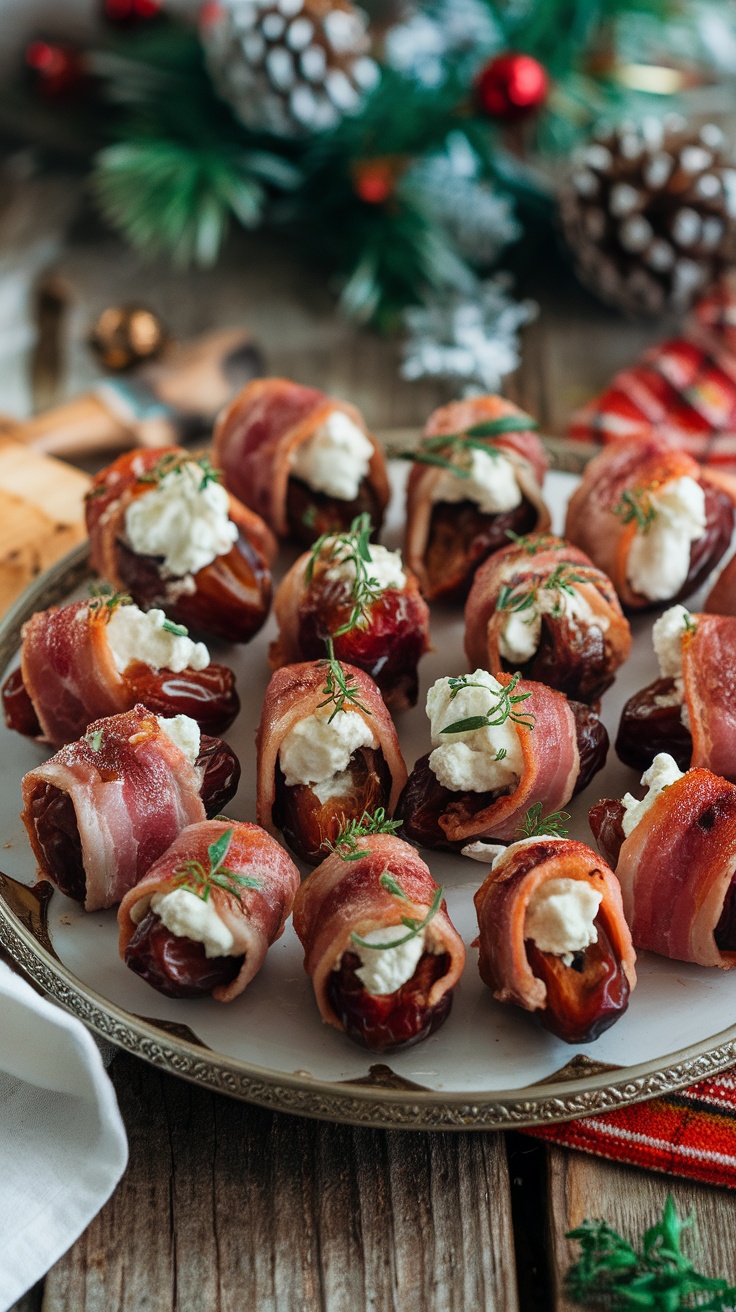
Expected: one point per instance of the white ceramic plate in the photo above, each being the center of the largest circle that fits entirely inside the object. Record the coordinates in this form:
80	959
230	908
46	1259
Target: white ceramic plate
488	1065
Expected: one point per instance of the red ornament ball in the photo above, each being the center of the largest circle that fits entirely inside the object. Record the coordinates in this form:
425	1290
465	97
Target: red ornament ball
59	72
511	87
128	13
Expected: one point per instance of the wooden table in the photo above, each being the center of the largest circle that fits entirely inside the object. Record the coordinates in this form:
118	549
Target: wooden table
228	1208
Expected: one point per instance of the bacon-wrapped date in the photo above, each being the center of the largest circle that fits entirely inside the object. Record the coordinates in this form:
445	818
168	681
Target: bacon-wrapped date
318	598
721	599
386	892
540	606
261	440
226	890
560	755
296	719
104	808
69	676
677	868
230	594
553	938
474	454
651	519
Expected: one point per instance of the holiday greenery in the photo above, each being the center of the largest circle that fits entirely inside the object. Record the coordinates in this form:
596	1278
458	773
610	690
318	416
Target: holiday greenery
401	170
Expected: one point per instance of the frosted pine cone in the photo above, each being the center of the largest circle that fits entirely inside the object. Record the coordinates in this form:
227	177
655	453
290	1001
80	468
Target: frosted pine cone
291	67
649	213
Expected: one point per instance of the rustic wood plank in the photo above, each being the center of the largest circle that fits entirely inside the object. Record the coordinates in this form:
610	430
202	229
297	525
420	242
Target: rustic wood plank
631	1200
226	1207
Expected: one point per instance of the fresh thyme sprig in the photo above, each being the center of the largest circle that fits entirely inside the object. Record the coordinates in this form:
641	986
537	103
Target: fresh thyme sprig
346	844
338	686
173	462
535	825
635	507
104	599
503	709
95	739
429	450
532	543
691	625
613	1274
413	925
179	630
562	579
355	547
193	876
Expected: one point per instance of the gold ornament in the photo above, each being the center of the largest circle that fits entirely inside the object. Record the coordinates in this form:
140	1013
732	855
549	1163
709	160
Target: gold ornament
125	335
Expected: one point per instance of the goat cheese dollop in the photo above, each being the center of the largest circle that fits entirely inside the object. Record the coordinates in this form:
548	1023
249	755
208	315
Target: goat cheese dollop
184	732
492	483
521	634
335	459
137	635
560	917
184	518
477	760
384	566
385	970
667	635
187	916
662	772
659	558
317	751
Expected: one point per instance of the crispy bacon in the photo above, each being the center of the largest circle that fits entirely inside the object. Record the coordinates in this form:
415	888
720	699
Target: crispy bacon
580	662
345	897
257	434
676	870
721	599
644	463
579	1010
69	675
255	918
524	450
132	790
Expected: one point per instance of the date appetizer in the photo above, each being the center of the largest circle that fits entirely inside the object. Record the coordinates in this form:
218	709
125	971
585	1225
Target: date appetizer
540	606
164	530
652	519
674	853
690	711
103	809
327	754
95	658
203	918
302	460
552	935
477	473
361	596
721	599
501	745
380	949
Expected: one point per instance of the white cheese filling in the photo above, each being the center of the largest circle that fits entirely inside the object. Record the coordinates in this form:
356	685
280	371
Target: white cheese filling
521	634
184	732
335	459
478	760
187	916
137	635
318	750
662	772
667	635
384	566
186	523
659	558
385	971
492	483
560	915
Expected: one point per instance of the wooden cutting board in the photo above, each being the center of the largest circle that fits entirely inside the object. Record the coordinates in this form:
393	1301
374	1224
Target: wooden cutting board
41	515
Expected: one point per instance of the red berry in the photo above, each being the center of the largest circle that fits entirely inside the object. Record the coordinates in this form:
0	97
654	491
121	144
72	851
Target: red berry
511	87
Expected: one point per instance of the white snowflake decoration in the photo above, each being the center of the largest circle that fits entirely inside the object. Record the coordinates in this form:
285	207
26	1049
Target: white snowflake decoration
479	220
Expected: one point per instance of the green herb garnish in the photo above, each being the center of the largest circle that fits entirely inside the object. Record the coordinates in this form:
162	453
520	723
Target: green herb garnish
690	624
338	687
429	451
562	579
613	1274
178	629
104	598
346	844
532	544
535	825
95	739
173	462
499	711
414	926
355	547
193	876
635	507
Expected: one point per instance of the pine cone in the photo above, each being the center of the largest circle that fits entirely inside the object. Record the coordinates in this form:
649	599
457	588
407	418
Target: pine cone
290	67
649	213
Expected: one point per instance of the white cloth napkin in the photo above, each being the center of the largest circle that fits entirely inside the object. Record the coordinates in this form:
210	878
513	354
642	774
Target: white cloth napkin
62	1141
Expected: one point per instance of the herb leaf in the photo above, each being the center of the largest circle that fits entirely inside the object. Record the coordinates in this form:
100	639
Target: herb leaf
353	546
635	507
535	824
430	449
338	687
414	927
534	542
95	739
180	630
346	844
193	876
104	599
499	711
173	462
562	579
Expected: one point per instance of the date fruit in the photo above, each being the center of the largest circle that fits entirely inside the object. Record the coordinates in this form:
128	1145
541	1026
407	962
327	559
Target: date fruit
18	708
461	537
606	821
386	1021
221	774
647	728
310	513
308	824
586	997
55	824
207	696
175	965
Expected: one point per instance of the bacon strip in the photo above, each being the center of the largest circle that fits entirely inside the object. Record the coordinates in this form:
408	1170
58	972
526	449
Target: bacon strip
132	796
551	768
524	450
256	435
345	897
69	671
709	679
721	599
296	692
502	900
676	866
256	920
521	567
